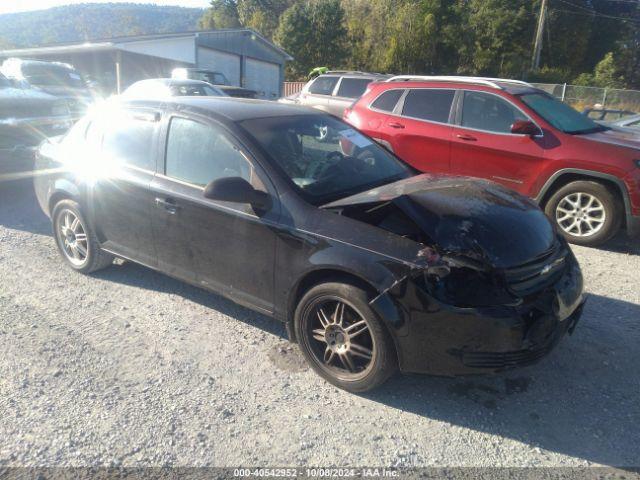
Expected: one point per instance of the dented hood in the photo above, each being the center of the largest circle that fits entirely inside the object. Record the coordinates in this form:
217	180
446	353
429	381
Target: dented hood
476	218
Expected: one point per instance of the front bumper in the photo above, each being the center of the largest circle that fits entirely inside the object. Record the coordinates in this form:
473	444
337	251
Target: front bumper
440	339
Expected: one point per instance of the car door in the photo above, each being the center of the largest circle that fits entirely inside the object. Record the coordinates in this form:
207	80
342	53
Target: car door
482	144
223	246
347	91
125	143
419	130
319	92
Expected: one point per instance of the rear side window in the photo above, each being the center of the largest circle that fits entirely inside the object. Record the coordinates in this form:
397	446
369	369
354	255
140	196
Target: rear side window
483	111
353	87
387	101
199	153
323	85
130	139
428	104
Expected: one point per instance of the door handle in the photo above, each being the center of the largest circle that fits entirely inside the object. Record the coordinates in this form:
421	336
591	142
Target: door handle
168	204
396	125
467	138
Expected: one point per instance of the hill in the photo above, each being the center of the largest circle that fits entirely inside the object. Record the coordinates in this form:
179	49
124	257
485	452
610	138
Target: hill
92	21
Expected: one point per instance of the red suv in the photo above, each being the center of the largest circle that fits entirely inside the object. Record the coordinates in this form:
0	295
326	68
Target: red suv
586	176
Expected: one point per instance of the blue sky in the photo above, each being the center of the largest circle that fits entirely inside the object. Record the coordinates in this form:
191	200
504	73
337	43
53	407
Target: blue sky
26	5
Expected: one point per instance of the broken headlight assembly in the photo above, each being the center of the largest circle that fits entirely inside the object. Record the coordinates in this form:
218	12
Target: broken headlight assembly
463	282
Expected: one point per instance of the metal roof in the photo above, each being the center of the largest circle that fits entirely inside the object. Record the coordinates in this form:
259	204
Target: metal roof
111	44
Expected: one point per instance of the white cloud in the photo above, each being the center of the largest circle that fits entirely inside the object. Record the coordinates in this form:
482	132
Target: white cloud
27	5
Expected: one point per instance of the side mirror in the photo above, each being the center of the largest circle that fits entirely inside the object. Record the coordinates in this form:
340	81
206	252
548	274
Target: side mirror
238	190
525	127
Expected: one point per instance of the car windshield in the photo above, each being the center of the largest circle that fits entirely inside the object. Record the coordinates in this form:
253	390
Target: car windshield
212	77
52	75
325	158
195	90
560	115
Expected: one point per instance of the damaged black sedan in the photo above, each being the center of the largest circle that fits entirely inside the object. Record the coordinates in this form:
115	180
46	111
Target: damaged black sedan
294	214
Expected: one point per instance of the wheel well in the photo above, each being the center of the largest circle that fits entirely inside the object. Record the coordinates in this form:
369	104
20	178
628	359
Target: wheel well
322	276
567	178
58	197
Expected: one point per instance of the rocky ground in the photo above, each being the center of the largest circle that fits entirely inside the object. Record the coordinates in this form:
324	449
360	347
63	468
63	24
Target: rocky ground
129	367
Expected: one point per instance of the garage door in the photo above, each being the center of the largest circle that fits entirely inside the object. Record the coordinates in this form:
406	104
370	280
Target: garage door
264	78
223	62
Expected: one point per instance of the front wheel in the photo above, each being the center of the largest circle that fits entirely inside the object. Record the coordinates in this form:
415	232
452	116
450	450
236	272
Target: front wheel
587	213
343	339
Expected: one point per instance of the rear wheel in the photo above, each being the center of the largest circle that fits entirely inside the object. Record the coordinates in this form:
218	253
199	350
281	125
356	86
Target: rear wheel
76	240
587	213
343	339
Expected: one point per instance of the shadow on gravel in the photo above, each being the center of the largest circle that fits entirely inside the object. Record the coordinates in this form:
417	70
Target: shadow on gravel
622	243
19	209
582	400
143	277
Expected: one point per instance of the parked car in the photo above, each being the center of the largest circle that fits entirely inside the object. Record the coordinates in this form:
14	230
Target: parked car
629	124
156	88
26	118
601	114
334	91
58	79
369	265
214	78
586	176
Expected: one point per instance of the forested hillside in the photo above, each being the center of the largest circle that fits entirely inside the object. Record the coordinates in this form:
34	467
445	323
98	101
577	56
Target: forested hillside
93	21
593	42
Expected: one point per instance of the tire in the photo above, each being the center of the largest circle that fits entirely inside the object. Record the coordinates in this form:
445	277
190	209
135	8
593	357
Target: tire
570	201
346	335
87	256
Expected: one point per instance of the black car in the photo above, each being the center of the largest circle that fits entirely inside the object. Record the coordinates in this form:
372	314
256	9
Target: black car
293	213
27	117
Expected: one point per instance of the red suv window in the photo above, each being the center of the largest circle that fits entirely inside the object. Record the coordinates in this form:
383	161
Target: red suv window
428	104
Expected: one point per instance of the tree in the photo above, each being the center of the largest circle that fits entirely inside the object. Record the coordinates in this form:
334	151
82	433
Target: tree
501	31
313	33
262	15
607	73
221	14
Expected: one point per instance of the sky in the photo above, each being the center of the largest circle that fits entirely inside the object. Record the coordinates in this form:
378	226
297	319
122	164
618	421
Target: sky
26	5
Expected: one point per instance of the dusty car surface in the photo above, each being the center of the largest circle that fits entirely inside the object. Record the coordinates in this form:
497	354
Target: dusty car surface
293	213
27	117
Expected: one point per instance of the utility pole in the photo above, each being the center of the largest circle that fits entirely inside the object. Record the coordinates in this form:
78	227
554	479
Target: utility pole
537	49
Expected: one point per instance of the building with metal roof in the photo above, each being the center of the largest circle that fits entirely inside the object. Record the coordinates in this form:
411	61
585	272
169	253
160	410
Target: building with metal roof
244	56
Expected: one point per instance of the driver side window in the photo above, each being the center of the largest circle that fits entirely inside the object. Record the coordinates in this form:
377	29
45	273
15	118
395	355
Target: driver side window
484	111
198	153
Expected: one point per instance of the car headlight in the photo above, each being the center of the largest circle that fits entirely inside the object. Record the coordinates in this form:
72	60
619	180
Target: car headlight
637	162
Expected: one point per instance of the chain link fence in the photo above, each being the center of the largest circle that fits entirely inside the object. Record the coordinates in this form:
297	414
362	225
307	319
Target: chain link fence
580	97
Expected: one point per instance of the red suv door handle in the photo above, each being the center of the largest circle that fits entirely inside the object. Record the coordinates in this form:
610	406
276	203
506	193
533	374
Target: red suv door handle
467	138
396	125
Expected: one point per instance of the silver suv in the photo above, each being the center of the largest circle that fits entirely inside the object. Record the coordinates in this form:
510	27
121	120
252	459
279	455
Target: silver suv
334	91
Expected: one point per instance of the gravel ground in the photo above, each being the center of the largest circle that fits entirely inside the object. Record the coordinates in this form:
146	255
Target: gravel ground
131	368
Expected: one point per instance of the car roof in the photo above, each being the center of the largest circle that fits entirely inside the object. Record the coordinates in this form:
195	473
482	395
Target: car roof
232	109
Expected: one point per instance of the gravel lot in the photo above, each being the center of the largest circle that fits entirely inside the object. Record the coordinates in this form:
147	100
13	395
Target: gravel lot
129	367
